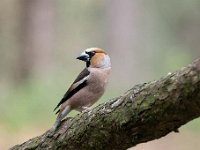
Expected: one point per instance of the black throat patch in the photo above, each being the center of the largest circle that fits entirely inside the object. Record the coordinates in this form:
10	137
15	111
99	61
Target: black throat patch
87	63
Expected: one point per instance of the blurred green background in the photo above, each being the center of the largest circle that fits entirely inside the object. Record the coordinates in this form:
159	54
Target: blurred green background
40	39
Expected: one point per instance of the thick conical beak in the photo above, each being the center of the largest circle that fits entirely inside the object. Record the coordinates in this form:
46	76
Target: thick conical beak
84	57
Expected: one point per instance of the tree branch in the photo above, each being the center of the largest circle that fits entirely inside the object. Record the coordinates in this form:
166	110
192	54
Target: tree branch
145	112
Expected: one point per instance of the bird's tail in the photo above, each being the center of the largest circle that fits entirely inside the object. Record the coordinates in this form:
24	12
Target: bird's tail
61	115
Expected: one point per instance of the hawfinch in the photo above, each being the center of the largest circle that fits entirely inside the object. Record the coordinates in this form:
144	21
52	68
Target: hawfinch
89	86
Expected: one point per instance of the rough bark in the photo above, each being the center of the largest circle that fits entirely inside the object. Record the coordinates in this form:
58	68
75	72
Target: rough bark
145	112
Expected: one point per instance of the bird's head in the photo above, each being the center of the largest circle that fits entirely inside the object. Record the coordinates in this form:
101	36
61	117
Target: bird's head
95	58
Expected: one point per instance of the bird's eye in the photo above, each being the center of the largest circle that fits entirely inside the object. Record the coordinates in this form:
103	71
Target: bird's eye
91	53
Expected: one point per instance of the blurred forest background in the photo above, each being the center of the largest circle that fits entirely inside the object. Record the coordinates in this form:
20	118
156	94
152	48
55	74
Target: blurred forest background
40	39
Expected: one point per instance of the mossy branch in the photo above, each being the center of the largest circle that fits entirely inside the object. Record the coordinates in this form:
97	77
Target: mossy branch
145	112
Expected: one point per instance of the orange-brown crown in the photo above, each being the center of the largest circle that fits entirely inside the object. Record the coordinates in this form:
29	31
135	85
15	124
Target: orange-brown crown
96	50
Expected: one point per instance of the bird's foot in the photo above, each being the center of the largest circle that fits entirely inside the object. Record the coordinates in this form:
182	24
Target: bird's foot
86	109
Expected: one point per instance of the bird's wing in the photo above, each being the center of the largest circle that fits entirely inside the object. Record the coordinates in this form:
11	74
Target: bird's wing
79	83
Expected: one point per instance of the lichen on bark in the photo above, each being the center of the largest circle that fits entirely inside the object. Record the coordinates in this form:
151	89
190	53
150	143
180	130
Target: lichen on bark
145	112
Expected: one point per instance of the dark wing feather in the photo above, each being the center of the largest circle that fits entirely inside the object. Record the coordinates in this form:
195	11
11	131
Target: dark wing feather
71	91
82	75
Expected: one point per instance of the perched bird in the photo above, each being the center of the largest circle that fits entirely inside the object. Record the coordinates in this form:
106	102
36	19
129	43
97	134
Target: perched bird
89	86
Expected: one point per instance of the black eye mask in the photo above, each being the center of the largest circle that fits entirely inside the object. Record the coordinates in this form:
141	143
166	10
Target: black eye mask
92	53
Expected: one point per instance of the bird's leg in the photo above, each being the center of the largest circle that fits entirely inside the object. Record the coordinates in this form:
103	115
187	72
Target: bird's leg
86	109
